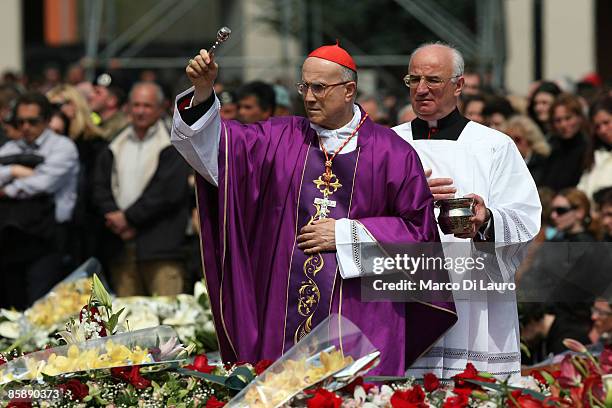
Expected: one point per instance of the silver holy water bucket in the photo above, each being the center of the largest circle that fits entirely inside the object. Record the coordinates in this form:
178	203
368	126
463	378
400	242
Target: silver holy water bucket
455	214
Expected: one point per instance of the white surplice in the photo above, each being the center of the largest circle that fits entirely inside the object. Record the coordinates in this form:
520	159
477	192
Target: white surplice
485	162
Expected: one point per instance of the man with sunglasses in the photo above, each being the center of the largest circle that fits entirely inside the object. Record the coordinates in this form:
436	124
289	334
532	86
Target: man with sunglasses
465	159
36	200
284	205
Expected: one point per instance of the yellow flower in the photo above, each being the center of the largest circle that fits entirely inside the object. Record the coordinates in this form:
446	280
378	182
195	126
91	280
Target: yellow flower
66	300
140	356
117	353
294	376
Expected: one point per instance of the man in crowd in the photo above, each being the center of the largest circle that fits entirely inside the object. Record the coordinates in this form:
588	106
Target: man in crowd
256	102
284	205
107	101
141	189
38	180
229	107
464	158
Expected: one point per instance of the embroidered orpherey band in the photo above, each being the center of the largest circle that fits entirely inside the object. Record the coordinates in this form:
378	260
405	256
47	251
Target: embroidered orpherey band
309	294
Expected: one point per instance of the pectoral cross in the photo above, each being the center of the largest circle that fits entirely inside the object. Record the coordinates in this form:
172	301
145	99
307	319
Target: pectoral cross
323	204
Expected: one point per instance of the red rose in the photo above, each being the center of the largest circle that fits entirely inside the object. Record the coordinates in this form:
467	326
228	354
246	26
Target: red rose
460	401
465	392
523	400
122	373
470	373
2	361
200	363
412	398
324	399
77	389
138	381
213	402
431	382
262	365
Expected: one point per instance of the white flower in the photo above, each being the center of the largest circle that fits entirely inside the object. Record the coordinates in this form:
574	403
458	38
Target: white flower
199	289
9	329
525	382
11	315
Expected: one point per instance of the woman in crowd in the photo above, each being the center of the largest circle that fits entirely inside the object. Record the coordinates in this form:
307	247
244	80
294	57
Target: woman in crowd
599	173
569	143
497	110
530	143
572	268
540	102
571	218
90	142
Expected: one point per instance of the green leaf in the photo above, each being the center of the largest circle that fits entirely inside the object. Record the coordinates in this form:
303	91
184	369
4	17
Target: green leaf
502	388
114	319
484	374
235	383
217	379
100	292
385	378
550	380
244	373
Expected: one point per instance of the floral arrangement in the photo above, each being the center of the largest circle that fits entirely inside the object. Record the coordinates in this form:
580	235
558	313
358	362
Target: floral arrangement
565	386
189	315
99	365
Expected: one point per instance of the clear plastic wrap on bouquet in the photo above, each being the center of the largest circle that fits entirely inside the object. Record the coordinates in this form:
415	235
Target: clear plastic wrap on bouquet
153	345
330	348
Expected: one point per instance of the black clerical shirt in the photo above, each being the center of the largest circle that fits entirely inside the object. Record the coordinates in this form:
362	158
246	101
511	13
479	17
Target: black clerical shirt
448	128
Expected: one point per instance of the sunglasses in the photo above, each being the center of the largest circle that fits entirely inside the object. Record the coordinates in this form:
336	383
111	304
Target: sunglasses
19	122
562	210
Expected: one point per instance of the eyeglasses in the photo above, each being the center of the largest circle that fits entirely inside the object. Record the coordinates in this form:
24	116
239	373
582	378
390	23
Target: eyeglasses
19	122
413	81
599	312
562	210
318	90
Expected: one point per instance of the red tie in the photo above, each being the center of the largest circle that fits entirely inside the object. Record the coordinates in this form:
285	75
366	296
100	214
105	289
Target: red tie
432	131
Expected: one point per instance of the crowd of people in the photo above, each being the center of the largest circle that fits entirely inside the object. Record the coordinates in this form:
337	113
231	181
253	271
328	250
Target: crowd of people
87	169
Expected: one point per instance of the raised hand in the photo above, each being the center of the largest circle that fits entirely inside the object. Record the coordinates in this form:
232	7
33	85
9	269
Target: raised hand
202	71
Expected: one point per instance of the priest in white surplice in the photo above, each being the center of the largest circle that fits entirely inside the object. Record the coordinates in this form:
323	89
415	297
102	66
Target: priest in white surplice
462	158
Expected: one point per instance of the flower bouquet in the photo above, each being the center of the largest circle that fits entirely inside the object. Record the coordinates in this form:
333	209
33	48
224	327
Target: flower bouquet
331	347
153	345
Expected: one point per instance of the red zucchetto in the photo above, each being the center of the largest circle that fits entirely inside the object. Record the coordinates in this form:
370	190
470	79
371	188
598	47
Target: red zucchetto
335	53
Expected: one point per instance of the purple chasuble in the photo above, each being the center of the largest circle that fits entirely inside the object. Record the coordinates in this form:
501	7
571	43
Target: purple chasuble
250	223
